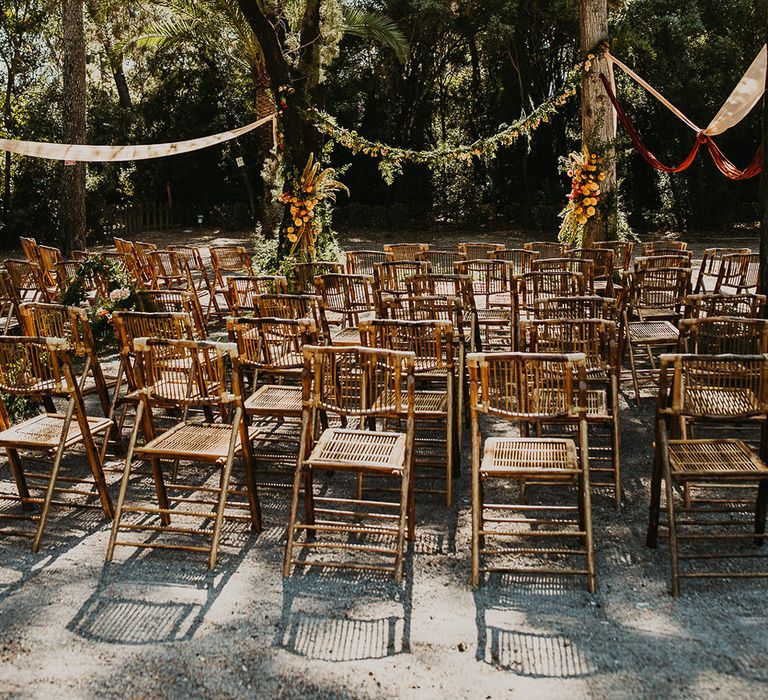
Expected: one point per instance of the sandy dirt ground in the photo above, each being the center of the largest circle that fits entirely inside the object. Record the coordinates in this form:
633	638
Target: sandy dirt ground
158	624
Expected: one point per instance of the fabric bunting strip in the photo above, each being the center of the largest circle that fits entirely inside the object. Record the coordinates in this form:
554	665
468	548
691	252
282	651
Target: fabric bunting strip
113	154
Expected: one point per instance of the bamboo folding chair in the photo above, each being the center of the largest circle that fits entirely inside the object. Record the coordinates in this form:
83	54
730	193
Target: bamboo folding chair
130	325
739	273
132	261
65	272
741	305
595	338
242	291
30	250
435	401
361	262
291	306
270	352
603	267
440	261
7	301
533	287
390	277
175	301
49	256
575	308
490	282
651	262
479	251
715	335
519	261
710	266
622	251
25	283
345	300
717	390
199	273
530	389
359	386
229	260
186	375
580	266
547	249
40	369
168	269
653	306
405	252
303	274
661	247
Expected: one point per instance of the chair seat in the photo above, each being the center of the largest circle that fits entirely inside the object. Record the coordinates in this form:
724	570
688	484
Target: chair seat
43	432
523	456
552	401
275	399
345	336
341	448
721	401
425	401
652	332
207	442
697	459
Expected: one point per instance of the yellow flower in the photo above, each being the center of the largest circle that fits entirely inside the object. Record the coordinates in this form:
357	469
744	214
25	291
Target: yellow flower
298	222
582	219
291	229
292	237
590	211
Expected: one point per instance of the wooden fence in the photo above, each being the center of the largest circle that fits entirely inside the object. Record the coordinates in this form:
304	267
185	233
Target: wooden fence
150	216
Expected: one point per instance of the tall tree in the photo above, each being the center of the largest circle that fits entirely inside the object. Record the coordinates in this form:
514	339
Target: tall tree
73	120
597	119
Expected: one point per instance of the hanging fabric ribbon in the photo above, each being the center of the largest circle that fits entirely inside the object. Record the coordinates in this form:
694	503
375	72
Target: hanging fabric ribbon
724	165
113	154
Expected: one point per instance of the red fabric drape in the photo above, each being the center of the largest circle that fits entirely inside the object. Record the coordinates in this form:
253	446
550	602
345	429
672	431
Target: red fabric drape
725	166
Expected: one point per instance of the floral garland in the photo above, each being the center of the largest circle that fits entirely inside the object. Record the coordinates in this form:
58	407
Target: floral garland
585	171
393	158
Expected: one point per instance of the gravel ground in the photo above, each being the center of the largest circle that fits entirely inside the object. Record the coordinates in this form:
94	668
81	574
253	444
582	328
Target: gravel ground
158	624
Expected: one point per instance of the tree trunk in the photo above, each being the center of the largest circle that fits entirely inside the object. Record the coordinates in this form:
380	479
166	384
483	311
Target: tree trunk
763	189
7	116
72	204
597	118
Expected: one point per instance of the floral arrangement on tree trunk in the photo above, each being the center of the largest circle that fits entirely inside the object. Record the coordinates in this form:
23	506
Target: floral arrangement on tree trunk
585	171
305	196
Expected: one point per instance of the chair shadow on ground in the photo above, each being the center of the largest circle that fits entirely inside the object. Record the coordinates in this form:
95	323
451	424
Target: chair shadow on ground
505	603
332	615
157	596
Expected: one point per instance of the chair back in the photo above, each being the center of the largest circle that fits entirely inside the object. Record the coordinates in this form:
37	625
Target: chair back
715	335
361	262
741	305
405	251
479	251
304	274
440	261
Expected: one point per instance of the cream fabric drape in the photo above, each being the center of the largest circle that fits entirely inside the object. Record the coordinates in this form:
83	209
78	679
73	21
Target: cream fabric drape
738	105
112	154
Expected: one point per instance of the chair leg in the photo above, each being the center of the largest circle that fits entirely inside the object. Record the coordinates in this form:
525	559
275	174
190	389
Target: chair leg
124	483
222	501
298	477
672	525
477	503
761	509
586	501
634	372
657	474
17	471
54	473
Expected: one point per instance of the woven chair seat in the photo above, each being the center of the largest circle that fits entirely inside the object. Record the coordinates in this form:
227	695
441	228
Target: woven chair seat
721	401
359	449
554	457
345	336
652	332
288	360
499	314
275	398
425	401
649	314
43	432
552	401
194	441
698	459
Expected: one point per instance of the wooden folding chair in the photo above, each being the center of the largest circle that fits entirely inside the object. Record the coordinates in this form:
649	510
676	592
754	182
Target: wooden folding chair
440	261
742	305
479	251
175	301
622	251
580	266
303	274
25	283
390	277
432	343
715	335
547	249
575	308
519	260
595	338
199	273
169	269
229	260
533	287
345	300
710	266
242	291
603	267
40	369
361	262
360	386
717	390
653	306
739	273
651	262
49	256
405	252
530	389
30	250
7	301
185	375
663	247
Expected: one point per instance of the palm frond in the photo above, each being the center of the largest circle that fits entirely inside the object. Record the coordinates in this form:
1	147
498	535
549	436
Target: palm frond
378	27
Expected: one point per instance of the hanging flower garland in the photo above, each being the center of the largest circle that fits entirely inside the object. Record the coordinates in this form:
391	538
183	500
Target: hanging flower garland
393	158
586	172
